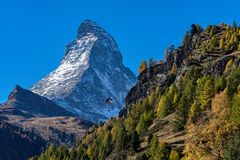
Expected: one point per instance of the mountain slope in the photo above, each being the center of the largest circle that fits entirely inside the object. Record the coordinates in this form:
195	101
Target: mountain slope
37	114
90	72
32	105
18	144
185	108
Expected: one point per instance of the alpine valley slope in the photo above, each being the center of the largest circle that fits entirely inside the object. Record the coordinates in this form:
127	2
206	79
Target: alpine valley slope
29	122
90	71
37	114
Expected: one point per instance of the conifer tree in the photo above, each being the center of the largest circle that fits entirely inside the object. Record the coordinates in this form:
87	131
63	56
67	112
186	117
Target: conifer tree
174	69
72	154
235	109
142	67
234	25
213	30
120	139
221	44
231	150
233	81
166	54
152	62
134	141
174	155
165	105
141	124
193	30
186	39
207	94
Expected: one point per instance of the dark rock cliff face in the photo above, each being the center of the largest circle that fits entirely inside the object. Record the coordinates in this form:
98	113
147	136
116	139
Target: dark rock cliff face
147	82
160	76
184	58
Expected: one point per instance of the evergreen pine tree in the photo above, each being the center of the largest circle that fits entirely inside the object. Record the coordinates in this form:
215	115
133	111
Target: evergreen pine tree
134	141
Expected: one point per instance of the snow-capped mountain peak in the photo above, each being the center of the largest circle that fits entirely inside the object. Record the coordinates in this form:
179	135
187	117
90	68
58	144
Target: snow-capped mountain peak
90	72
89	27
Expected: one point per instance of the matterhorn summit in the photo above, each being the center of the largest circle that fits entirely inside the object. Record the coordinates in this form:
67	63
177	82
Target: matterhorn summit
90	72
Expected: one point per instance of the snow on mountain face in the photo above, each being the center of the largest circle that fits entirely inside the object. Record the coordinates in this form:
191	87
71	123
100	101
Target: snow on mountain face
90	72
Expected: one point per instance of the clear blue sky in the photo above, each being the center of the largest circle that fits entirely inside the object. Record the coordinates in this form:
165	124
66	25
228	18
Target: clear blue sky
33	34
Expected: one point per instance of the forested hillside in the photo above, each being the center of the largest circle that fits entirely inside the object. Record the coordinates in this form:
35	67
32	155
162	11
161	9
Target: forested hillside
17	143
187	107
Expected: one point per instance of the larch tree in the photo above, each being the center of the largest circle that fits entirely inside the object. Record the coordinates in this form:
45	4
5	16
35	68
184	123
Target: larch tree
142	67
